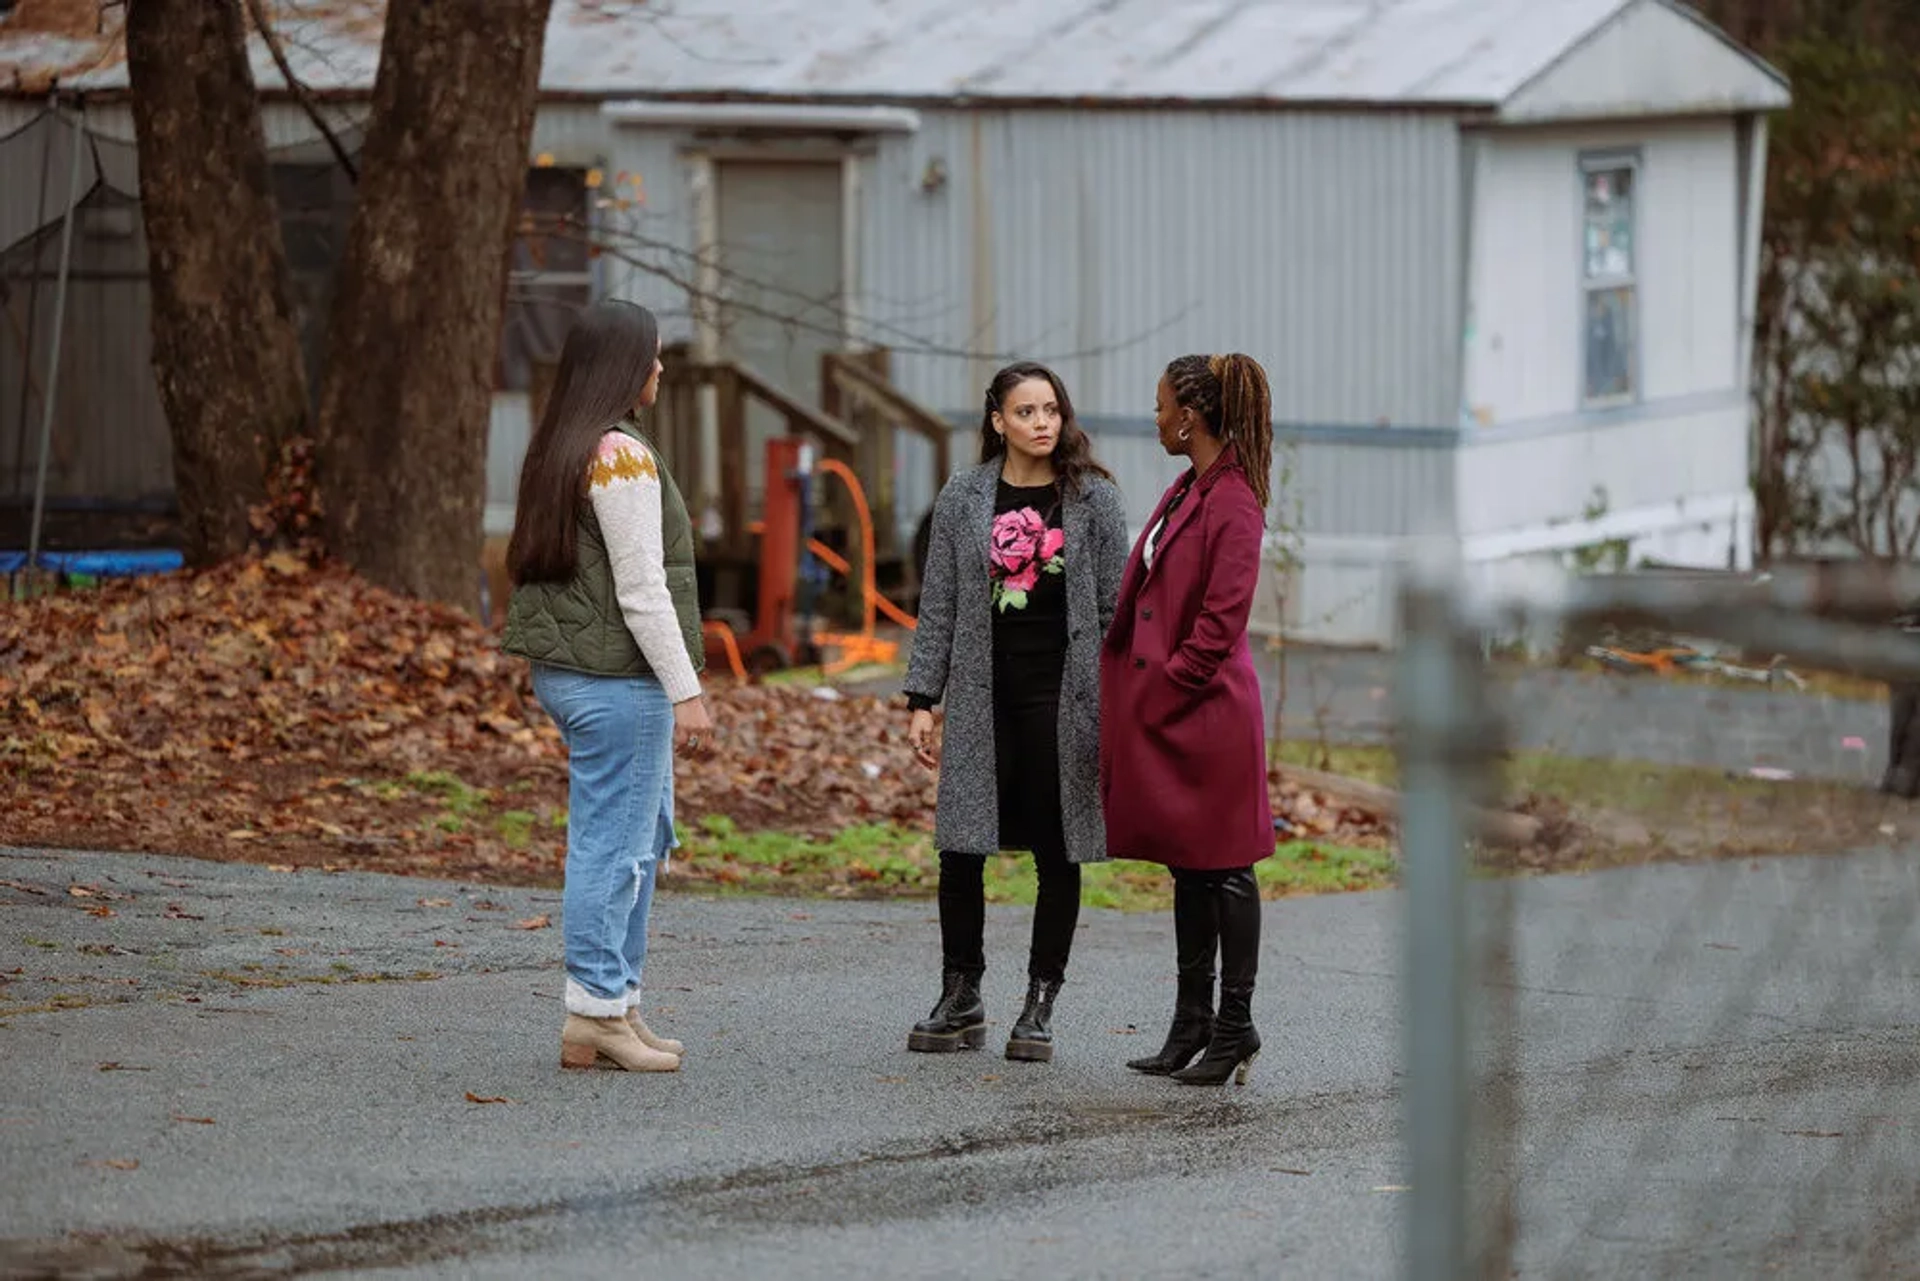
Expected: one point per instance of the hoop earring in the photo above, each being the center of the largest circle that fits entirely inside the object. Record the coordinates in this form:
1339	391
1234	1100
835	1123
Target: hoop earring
1186	433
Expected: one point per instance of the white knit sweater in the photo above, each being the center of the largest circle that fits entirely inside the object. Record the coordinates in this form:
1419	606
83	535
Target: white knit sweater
624	486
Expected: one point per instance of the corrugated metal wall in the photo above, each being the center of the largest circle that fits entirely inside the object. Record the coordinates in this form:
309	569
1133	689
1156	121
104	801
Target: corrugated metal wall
1534	458
646	222
1106	242
1334	487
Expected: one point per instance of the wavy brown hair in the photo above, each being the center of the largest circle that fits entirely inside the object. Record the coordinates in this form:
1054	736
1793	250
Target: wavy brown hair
1231	396
1073	459
604	365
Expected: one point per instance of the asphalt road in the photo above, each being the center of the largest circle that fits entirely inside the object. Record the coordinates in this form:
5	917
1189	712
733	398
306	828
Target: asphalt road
1708	1071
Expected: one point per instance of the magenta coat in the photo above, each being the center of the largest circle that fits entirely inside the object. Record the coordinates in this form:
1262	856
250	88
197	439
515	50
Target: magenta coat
1183	736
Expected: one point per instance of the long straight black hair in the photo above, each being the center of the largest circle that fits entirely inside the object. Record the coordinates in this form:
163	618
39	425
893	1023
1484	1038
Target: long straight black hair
1073	459
604	366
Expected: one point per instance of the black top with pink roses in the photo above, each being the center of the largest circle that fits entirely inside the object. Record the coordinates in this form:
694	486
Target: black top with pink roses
1026	577
1026	572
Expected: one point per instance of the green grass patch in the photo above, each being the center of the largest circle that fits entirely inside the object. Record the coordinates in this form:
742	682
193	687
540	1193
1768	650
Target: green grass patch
886	861
454	794
1625	786
516	828
1611	813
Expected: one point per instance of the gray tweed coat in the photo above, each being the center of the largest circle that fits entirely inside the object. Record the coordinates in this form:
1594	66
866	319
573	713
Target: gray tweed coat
952	660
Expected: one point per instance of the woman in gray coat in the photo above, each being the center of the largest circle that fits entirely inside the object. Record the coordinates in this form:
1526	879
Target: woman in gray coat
1023	569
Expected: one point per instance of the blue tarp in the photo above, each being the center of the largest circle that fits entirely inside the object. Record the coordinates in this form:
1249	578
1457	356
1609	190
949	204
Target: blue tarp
107	564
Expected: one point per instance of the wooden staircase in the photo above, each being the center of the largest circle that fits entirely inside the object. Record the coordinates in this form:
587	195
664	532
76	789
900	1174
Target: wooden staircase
859	422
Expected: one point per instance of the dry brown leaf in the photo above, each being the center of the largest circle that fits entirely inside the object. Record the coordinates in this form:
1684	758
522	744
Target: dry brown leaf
194	1120
539	922
436	902
243	692
487	1098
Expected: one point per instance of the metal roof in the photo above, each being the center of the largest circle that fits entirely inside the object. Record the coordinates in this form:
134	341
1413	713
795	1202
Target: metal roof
1406	52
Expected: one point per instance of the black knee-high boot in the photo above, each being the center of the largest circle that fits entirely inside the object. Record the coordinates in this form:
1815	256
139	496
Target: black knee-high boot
959	1019
1235	1043
1196	937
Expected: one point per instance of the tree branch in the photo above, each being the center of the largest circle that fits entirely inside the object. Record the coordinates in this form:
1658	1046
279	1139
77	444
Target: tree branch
301	94
899	339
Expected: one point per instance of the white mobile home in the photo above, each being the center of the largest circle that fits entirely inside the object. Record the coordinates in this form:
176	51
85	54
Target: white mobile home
1497	255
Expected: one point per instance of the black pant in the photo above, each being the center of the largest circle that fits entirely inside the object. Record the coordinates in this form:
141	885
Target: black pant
963	913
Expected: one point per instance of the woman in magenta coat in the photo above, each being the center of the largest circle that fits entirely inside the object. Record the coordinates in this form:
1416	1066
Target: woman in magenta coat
1183	742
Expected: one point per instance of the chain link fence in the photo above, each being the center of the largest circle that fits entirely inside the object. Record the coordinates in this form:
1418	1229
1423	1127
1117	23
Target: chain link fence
1697	1054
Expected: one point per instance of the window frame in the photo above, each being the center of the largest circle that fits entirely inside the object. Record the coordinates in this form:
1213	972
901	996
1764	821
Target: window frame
1589	164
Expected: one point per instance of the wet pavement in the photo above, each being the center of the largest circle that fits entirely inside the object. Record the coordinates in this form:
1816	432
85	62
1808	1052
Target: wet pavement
1713	1071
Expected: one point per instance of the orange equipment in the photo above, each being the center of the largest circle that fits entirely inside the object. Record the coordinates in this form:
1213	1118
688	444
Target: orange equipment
774	642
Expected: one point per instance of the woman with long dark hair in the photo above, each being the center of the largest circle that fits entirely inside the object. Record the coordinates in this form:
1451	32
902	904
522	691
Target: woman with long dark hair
604	606
1183	752
1023	565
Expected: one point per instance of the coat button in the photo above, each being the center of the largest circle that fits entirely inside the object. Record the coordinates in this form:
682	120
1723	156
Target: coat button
1146	613
1139	662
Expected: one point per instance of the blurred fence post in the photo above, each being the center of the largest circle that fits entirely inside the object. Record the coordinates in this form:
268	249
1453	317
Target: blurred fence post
1441	706
1461	972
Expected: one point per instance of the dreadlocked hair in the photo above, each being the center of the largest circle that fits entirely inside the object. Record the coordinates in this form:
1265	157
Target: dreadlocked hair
1231	396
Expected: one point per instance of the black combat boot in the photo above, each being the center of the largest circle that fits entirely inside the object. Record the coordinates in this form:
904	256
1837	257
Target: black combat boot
1196	937
958	1021
1032	1038
1235	1044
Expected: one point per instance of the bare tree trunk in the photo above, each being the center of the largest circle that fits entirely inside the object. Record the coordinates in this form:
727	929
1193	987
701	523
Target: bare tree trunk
416	320
225	346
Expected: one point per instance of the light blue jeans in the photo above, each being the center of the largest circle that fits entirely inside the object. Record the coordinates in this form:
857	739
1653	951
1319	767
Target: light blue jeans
619	736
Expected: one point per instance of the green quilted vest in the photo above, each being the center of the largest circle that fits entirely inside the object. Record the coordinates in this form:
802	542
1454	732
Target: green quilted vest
578	624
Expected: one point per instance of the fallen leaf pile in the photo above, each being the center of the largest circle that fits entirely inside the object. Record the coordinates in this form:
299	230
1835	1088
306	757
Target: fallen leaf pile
1305	815
273	712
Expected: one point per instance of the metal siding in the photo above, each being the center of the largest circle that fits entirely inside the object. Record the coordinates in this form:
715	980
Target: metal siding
1524	355
1683	451
509	428
655	262
1690	317
1327	247
286	125
1342	490
1649	61
779	255
1103	263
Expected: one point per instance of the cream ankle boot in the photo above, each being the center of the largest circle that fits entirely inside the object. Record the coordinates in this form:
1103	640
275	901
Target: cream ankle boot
665	1044
587	1042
